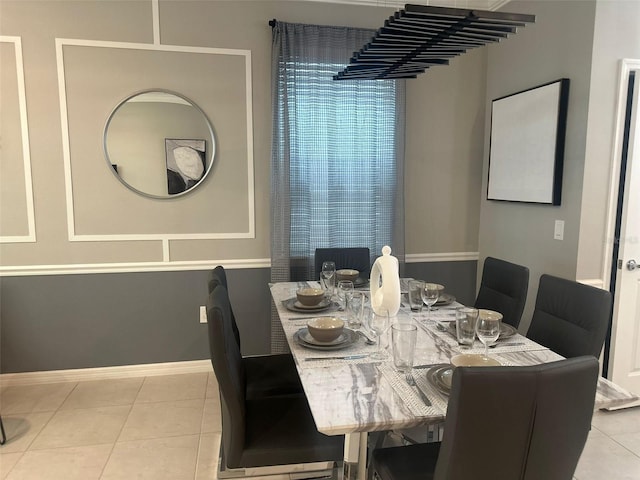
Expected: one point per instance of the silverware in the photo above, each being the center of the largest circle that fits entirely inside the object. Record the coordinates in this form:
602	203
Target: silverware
412	383
511	344
427	365
345	357
367	340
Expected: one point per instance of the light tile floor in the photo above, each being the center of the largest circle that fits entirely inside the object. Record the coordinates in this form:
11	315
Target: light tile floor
169	427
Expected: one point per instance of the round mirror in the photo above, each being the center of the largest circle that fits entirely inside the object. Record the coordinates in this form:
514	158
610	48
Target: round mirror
159	143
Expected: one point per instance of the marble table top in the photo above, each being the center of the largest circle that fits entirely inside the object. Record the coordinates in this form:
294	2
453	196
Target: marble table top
363	395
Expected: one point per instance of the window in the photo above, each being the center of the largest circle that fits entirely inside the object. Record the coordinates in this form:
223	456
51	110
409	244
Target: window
337	149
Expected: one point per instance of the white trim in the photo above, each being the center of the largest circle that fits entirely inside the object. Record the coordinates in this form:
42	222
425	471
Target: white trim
626	65
441	257
166	253
173	266
466	4
104	373
155	14
594	282
164	237
30	237
250	185
131	267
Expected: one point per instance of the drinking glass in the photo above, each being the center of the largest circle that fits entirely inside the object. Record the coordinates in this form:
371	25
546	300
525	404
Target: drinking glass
466	318
415	295
345	294
488	328
430	293
378	324
403	339
356	310
329	275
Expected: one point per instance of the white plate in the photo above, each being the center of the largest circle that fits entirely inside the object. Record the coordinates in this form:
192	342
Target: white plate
440	377
506	330
445	299
295	306
351	338
305	336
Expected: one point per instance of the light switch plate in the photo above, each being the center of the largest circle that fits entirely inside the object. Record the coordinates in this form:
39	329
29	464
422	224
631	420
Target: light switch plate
203	314
558	230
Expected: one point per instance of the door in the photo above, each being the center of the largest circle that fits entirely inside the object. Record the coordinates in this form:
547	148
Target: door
624	365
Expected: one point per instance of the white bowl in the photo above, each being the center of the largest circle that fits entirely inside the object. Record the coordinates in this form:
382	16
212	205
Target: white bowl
325	329
484	313
474	360
347	274
310	297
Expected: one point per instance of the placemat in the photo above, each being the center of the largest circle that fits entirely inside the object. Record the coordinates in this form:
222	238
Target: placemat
409	396
449	339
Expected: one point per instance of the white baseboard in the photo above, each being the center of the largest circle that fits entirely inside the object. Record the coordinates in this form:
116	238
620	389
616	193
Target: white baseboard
103	373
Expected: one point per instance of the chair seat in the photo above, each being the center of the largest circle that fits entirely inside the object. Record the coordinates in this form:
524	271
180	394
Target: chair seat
412	462
271	375
281	430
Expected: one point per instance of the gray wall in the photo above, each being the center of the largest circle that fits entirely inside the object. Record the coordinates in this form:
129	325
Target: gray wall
100	318
540	53
59	322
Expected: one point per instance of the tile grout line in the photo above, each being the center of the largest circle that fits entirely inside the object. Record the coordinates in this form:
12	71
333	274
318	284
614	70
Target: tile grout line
113	445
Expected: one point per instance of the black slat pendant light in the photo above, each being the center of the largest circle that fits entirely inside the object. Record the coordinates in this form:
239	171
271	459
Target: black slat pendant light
418	37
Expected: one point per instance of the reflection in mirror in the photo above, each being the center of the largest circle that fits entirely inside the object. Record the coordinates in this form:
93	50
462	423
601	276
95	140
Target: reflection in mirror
159	144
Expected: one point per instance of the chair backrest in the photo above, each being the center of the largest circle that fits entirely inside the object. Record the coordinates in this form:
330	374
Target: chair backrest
218	276
503	288
570	318
357	258
518	423
228	367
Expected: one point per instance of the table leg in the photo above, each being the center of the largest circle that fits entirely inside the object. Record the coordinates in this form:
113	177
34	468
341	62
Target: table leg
355	456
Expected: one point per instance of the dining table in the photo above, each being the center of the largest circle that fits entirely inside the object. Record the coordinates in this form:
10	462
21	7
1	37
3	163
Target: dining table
353	395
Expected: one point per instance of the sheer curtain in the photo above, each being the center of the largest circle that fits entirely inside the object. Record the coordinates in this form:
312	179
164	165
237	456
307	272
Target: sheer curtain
337	153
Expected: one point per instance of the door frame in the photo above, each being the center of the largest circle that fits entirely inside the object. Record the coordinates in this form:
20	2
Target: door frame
627	66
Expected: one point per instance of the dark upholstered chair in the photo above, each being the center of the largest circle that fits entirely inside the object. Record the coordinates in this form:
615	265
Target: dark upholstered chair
218	276
261	431
503	289
266	375
570	318
356	258
505	423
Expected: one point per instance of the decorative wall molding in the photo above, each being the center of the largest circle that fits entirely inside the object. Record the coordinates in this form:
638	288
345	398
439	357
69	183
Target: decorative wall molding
133	267
104	373
441	257
73	237
26	155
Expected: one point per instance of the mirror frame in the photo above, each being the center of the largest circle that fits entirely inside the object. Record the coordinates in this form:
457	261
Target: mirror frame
210	157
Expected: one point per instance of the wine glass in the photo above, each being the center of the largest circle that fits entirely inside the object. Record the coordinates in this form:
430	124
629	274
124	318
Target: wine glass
430	293
328	274
345	293
488	328
378	324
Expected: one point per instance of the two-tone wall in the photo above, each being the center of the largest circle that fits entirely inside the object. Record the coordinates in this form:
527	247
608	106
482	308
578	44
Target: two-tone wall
602	34
96	275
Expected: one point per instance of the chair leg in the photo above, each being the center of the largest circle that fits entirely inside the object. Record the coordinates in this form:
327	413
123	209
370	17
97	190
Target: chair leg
4	436
323	470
